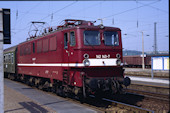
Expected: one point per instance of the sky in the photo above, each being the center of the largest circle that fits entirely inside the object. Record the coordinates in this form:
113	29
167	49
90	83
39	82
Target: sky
132	16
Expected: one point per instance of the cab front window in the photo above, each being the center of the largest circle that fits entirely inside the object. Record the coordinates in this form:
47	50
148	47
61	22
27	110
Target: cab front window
91	38
111	38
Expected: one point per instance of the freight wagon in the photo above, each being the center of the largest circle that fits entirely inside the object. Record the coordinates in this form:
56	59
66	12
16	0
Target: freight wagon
136	60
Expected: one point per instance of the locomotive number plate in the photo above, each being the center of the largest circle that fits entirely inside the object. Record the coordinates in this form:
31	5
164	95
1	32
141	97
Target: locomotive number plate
103	56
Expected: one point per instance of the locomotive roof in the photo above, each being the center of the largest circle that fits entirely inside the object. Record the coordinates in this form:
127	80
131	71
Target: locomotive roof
99	27
75	27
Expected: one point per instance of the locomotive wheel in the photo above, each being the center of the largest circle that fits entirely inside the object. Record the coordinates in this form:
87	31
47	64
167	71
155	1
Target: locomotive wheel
22	78
116	88
31	81
81	98
40	86
60	91
9	76
65	93
27	81
113	87
53	89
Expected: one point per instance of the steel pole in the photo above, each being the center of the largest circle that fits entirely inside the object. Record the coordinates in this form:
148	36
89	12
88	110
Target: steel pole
155	40
1	65
143	63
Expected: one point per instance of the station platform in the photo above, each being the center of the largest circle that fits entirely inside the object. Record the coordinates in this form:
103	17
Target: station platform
15	102
159	82
20	98
146	72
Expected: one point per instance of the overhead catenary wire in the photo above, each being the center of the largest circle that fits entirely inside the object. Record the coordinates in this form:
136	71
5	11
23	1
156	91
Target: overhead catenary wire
22	16
130	10
75	12
49	14
57	16
155	8
59	10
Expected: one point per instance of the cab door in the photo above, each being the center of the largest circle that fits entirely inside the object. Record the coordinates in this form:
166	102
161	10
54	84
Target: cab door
66	53
69	44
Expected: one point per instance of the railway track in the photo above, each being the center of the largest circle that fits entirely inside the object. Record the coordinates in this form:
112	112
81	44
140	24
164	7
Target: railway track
118	107
146	94
157	102
105	105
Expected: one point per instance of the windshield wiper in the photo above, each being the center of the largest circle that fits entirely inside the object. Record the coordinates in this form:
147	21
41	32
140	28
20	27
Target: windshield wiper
89	43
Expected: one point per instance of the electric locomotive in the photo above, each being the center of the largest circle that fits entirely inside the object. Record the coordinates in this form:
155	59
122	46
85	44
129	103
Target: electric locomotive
76	58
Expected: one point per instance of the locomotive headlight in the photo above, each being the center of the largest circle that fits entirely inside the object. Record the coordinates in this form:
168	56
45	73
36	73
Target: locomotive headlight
118	62
86	55
86	62
117	55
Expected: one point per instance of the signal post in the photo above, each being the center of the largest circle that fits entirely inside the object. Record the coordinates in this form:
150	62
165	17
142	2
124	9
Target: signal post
1	65
5	38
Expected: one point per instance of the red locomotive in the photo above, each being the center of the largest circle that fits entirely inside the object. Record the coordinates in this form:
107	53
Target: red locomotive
77	58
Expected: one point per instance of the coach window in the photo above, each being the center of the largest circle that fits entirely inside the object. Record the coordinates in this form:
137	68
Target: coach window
9	58
65	41
4	59
72	39
12	58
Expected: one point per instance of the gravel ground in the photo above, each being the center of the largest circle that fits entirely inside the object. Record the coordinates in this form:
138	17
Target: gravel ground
15	102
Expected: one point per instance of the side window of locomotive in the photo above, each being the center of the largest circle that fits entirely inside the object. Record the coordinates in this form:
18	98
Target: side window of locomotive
111	38
39	46
72	39
53	43
92	38
33	45
45	45
65	41
28	48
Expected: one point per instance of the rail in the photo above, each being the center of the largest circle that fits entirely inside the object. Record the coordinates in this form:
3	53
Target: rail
153	95
122	107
